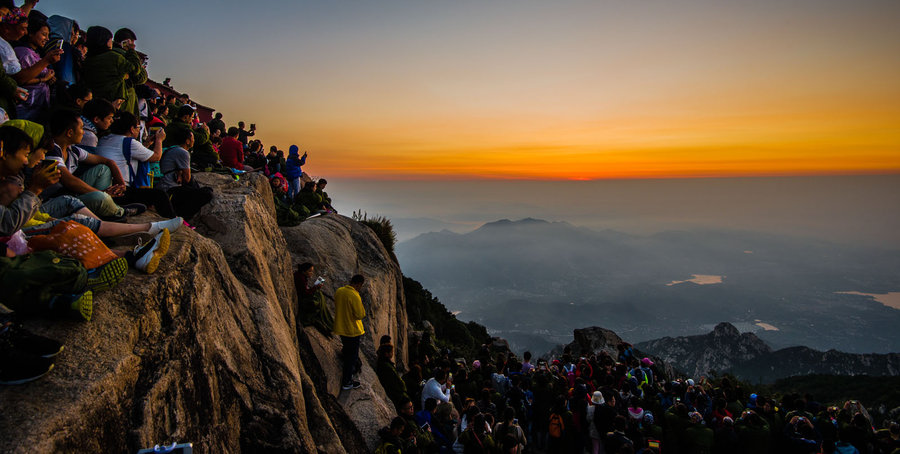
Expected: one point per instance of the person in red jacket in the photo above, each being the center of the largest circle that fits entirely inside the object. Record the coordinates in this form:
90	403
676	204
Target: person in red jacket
231	152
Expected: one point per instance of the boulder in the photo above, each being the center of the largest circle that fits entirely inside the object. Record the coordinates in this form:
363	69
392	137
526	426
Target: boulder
207	349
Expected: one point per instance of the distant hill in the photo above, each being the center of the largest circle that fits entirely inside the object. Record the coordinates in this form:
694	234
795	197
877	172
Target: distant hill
744	355
532	282
718	351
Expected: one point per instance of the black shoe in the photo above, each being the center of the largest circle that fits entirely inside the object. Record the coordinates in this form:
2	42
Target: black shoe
13	336
17	367
134	209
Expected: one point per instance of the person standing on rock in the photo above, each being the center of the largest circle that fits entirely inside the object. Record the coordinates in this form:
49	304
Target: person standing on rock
348	315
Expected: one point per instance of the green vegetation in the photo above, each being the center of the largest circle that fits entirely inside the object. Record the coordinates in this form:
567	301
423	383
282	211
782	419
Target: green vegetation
872	392
382	228
449	332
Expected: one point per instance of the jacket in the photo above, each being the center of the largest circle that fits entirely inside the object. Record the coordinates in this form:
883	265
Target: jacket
348	312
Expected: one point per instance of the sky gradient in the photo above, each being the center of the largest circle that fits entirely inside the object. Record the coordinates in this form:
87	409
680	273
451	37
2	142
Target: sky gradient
539	90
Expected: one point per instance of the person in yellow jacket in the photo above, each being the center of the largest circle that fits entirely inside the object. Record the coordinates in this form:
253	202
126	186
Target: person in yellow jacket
348	315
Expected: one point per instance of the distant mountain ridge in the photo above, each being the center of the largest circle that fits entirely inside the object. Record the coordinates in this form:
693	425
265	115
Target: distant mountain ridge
534	281
748	357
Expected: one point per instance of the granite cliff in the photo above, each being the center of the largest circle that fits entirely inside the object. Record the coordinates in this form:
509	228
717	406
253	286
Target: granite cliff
746	356
208	350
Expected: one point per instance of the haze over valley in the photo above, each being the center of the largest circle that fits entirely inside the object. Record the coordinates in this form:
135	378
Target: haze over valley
534	281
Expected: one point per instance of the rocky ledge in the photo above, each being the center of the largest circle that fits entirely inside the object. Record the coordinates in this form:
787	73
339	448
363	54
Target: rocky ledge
207	349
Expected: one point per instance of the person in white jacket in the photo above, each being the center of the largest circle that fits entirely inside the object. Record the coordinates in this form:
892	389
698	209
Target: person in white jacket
436	387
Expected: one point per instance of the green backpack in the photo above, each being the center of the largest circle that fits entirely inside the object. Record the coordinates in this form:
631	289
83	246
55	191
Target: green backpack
30	282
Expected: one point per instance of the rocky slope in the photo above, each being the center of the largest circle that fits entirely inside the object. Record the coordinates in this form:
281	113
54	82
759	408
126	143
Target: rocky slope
207	350
717	351
746	356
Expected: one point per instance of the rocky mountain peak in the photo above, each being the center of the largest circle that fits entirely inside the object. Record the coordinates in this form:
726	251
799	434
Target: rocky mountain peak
726	329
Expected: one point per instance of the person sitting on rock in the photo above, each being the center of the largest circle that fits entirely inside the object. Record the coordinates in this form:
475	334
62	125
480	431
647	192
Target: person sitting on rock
389	377
391	440
94	179
96	116
309	199
423	439
311	301
124	133
175	165
326	201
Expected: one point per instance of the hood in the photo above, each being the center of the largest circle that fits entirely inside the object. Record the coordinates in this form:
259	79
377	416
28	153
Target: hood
60	27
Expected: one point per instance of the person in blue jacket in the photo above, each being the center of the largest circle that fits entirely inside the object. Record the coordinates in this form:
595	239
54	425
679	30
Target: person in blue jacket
293	170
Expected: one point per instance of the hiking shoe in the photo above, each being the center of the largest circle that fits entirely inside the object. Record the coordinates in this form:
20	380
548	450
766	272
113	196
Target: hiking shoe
78	306
146	257
352	385
107	276
134	209
170	224
17	367
14	336
84	306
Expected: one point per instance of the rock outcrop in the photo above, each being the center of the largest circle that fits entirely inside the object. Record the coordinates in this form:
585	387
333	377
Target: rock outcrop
727	350
207	349
717	351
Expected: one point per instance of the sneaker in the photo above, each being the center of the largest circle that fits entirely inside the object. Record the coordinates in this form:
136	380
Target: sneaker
134	209
352	385
79	306
107	276
83	307
171	224
13	336
17	367
146	257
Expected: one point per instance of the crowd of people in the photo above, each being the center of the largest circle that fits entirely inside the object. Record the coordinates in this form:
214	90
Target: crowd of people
86	145
602	403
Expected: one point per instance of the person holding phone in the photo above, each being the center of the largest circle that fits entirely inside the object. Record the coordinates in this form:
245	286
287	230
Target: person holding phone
37	75
111	73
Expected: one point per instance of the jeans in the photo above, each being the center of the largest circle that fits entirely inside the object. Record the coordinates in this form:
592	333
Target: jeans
350	357
46	228
61	206
293	187
101	204
98	176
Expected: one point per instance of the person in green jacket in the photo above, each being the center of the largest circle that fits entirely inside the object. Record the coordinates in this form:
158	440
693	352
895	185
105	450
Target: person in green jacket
698	439
308	198
753	433
112	73
390	379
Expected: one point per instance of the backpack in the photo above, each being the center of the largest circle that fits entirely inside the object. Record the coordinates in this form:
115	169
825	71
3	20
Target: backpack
556	425
143	176
31	281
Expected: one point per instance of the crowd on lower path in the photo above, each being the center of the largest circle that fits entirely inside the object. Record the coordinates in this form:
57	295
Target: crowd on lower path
595	402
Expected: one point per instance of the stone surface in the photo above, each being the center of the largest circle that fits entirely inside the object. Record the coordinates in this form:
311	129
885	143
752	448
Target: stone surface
207	350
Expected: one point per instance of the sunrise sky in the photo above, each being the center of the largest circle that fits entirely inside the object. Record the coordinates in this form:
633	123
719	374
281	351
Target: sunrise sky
539	89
